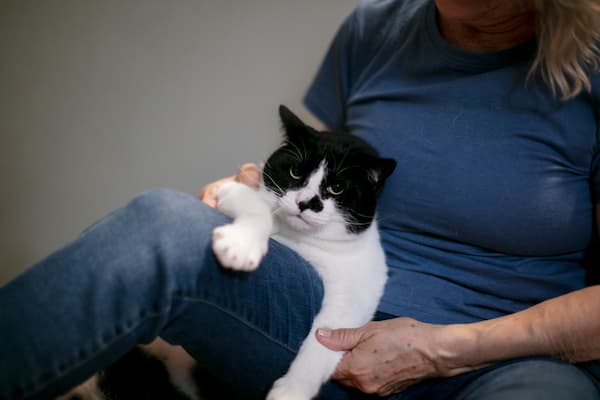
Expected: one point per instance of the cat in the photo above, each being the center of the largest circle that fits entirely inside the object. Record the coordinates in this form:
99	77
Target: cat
318	197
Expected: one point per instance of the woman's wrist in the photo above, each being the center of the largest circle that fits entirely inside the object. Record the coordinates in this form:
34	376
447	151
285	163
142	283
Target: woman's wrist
466	347
456	349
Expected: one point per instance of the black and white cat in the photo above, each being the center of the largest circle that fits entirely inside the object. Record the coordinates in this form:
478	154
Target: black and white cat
318	197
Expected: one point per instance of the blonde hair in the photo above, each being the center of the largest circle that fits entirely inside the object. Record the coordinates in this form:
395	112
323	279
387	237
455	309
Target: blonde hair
568	38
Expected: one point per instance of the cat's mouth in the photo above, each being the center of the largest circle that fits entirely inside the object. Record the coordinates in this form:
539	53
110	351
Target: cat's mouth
301	218
297	221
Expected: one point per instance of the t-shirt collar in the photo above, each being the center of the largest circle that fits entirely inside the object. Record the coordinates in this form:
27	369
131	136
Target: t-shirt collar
469	60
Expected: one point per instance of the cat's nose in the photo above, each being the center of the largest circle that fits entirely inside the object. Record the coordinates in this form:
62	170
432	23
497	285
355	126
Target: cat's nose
315	204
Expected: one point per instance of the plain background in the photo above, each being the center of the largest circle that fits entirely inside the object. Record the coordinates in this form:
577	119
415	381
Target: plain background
101	100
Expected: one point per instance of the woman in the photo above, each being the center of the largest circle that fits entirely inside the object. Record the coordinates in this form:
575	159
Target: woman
491	113
468	176
483	43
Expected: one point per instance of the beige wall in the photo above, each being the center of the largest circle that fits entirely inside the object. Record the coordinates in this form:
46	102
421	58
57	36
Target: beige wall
100	100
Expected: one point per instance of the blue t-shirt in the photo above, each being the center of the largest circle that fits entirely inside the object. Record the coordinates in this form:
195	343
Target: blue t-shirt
490	209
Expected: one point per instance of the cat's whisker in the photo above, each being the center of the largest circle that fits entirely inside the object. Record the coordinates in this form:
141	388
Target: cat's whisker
279	188
338	167
347	168
351	221
377	219
293	153
384	218
356	213
300	153
276	210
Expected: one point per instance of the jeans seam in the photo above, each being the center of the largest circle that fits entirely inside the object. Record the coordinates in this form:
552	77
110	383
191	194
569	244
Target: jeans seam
104	345
241	320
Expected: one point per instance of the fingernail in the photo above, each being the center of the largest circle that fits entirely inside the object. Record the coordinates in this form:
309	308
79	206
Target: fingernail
324	332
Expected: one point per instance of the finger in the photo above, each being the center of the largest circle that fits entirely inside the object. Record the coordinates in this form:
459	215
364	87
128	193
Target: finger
249	174
208	193
341	371
339	339
347	382
208	196
202	192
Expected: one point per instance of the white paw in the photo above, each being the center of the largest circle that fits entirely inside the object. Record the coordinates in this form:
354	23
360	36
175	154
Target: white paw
226	198
238	247
284	389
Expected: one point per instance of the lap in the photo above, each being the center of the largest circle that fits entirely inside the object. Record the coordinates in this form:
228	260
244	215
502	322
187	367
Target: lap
539	378
245	329
523	379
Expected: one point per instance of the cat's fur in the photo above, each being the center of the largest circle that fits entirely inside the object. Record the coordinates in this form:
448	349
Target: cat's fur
318	197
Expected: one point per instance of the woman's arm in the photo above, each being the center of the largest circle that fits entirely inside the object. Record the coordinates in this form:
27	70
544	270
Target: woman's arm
386	357
566	327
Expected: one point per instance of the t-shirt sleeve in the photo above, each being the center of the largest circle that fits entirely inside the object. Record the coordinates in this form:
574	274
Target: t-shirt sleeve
326	97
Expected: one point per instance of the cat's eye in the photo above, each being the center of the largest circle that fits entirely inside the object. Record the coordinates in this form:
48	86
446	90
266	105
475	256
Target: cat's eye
295	174
335	189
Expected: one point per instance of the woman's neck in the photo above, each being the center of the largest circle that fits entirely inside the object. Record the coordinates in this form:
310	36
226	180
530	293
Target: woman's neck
486	26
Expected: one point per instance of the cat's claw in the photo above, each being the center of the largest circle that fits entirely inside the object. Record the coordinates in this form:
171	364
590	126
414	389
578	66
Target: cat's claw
237	247
283	389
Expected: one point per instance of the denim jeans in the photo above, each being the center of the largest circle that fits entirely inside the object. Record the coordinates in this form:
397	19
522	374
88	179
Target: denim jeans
147	270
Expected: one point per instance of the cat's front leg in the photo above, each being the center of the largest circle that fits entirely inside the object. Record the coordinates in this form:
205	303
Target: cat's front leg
312	366
285	389
242	244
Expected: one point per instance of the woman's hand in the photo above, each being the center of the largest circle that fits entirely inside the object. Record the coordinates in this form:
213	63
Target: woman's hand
386	357
248	174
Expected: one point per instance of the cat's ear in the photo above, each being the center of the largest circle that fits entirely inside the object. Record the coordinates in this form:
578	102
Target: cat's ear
292	125
380	169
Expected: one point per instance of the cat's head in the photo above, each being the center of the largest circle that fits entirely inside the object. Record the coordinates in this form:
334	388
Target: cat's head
324	182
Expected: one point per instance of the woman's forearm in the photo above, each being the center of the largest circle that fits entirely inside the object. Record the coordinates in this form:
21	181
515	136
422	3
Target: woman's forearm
566	327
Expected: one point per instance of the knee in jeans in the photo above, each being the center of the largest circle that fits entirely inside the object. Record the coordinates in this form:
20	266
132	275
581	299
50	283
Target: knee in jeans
165	213
162	207
161	202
